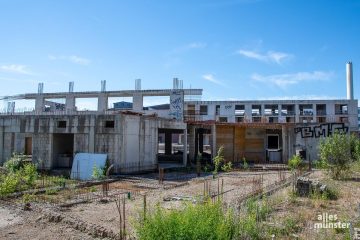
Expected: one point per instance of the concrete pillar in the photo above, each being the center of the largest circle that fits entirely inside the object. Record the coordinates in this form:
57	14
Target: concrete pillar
39	103
168	142
102	102
92	135
248	112
314	112
196	143
284	134
191	143
279	111
201	140
185	148
262	110
49	164
70	103
291	141
213	134
137	102
297	113
330	112
1	145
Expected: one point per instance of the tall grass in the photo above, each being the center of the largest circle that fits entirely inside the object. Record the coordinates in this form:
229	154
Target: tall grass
203	222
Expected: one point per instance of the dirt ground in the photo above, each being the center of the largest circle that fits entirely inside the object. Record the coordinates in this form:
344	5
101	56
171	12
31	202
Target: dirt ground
305	211
100	213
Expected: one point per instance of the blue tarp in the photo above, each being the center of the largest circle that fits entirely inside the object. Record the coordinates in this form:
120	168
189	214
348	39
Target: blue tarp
83	165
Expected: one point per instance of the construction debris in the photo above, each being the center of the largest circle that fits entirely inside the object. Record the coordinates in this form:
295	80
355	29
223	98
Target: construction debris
305	187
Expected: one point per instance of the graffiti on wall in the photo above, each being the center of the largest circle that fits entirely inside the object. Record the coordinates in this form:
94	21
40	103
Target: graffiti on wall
321	130
177	105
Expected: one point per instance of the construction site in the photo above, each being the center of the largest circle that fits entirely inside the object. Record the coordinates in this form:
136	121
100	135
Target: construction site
138	138
164	156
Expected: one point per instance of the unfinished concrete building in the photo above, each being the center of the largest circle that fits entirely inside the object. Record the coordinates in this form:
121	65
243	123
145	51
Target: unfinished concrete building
53	132
137	138
267	131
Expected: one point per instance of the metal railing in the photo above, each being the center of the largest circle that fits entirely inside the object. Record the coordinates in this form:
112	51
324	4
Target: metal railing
341	112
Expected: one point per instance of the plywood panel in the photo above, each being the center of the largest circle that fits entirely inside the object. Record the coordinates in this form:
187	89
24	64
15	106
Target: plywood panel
239	144
254	145
225	138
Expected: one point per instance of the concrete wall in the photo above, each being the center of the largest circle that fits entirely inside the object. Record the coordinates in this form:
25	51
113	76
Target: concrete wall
131	142
308	136
227	109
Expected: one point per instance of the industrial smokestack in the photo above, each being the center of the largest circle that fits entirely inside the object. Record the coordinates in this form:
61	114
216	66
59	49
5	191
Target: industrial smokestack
103	85
138	84
40	88
175	83
71	87
349	81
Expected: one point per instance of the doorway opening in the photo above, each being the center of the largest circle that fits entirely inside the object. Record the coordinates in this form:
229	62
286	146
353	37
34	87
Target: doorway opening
63	150
28	146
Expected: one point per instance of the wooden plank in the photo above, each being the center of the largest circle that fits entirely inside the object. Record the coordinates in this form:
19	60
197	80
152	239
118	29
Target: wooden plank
239	144
225	138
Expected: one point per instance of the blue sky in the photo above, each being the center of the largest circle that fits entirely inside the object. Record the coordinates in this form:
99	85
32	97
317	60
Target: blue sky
233	49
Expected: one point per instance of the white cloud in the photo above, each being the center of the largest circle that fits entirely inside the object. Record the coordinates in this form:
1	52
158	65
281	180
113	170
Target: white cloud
15	68
79	60
269	57
211	78
73	58
284	80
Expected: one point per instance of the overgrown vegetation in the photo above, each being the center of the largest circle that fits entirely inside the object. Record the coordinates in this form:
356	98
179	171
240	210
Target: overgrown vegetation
15	162
218	160
338	152
330	193
227	167
20	176
250	226
290	225
245	163
202	222
98	173
205	221
295	163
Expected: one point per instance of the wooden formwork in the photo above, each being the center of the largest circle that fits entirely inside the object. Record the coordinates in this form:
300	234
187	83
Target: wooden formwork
239	143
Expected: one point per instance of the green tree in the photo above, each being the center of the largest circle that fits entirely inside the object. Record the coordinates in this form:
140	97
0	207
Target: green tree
337	153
